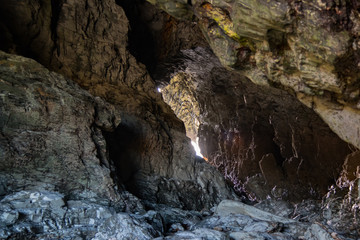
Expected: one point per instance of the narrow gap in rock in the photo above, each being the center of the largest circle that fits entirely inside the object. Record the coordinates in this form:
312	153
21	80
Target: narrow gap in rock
141	41
55	11
277	41
277	151
123	146
11	38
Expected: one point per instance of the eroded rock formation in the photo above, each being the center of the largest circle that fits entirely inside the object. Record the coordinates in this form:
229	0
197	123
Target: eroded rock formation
247	130
310	48
69	156
64	139
58	140
87	42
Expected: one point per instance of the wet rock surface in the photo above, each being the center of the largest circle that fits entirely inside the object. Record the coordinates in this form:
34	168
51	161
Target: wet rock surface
88	43
48	215
54	137
68	158
262	139
310	48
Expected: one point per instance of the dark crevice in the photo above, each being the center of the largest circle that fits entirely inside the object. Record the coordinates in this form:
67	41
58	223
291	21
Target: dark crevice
141	40
124	147
277	41
277	154
11	40
55	12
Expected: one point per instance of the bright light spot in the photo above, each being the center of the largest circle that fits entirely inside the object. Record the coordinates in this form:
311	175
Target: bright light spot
159	89
197	149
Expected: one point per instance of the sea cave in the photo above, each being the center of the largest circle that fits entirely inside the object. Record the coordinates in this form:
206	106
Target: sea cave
174	119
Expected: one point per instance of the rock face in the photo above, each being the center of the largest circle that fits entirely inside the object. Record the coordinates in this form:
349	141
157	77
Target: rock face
51	132
99	164
57	137
255	135
87	42
310	48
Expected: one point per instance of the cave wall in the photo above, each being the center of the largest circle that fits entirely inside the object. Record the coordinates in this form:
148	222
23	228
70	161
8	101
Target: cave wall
87	42
310	48
259	137
50	133
69	156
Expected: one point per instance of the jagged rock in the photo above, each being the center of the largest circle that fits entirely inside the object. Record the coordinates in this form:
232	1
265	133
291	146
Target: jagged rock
227	207
198	234
48	215
149	142
180	90
246	130
234	222
351	170
253	224
96	150
307	47
244	235
177	217
122	226
316	232
47	123
340	207
57	143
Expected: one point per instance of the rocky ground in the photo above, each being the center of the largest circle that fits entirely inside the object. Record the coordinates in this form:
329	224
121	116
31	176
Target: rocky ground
48	215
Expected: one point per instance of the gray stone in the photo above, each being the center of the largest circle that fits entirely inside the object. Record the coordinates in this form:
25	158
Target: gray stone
245	236
172	216
80	213
279	208
233	222
199	234
176	227
316	232
228	207
8	216
258	227
154	219
122	226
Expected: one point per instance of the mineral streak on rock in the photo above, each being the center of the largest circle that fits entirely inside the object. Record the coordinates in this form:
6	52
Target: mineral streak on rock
306	47
69	157
246	130
55	136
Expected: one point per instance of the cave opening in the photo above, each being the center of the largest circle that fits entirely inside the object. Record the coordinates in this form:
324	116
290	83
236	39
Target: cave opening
196	147
124	147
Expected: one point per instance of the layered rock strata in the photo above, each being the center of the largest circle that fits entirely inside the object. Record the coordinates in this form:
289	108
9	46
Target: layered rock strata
67	156
261	138
88	43
57	137
310	48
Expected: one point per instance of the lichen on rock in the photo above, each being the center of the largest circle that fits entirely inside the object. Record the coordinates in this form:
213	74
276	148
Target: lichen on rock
304	47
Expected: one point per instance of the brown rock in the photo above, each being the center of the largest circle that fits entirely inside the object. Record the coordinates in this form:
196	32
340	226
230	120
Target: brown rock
270	170
242	124
310	48
57	137
351	170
